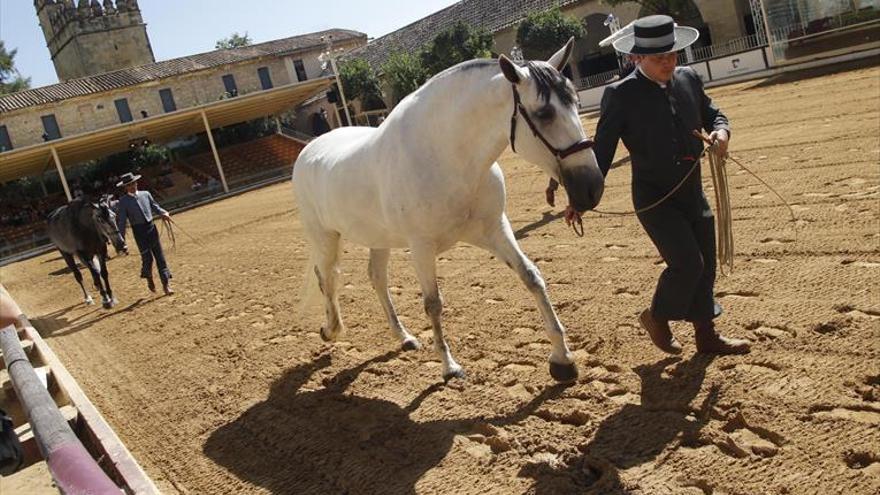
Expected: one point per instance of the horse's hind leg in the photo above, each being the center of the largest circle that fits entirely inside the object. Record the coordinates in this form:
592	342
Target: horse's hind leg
426	270
378	270
326	249
501	242
71	263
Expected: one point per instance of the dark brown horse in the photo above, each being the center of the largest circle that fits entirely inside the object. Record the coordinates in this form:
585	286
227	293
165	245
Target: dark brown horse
83	228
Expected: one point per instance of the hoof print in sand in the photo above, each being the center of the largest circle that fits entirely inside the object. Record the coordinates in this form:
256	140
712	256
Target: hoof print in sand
855	413
743	439
846	309
836	325
868	463
763	331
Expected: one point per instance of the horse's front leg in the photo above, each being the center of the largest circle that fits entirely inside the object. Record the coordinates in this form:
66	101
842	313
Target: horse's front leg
501	242
378	270
102	263
96	278
426	271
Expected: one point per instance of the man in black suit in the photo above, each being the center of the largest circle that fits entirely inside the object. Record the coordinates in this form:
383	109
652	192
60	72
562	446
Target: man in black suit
654	110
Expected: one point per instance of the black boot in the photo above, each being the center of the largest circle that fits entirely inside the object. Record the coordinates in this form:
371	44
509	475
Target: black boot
151	286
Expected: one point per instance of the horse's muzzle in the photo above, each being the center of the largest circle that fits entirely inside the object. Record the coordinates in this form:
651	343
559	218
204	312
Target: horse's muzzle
584	186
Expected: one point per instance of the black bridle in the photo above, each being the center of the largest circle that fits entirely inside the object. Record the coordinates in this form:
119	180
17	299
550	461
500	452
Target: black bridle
581	145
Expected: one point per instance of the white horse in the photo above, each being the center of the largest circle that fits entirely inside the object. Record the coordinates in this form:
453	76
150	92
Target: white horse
427	178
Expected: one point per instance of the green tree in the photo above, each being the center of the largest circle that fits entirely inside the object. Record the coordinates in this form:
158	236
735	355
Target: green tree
360	82
235	40
10	79
680	10
404	73
542	33
455	45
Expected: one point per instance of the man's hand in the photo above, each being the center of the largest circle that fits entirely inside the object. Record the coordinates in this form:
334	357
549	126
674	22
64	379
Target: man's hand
721	139
166	215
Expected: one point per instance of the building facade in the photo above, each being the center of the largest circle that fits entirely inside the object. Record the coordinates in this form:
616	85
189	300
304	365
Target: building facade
98	101
718	21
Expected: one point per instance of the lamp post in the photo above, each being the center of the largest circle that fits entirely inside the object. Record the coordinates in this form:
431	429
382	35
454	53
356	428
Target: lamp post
329	54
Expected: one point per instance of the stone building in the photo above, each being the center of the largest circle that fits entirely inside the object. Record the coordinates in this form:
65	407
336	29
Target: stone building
93	38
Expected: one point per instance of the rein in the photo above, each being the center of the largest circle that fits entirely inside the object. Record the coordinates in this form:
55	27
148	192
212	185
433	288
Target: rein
560	154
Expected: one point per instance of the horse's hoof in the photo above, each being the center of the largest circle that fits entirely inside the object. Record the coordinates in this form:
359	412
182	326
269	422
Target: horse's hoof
89	301
564	373
411	344
107	304
454	373
327	336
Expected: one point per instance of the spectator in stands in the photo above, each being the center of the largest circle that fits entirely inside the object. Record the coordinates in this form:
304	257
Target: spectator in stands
213	183
138	207
320	125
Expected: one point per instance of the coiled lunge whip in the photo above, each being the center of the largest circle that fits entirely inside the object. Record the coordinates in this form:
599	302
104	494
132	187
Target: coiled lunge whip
718	166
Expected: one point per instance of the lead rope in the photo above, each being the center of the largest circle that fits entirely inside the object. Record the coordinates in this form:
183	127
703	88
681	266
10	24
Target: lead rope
170	225
718	167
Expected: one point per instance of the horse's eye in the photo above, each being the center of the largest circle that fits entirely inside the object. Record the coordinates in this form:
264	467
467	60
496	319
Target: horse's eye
546	113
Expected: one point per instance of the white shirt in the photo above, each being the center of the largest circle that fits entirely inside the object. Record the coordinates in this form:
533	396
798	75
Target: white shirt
662	85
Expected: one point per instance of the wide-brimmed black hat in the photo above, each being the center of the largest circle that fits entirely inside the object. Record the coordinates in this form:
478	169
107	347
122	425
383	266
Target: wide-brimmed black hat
127	178
656	34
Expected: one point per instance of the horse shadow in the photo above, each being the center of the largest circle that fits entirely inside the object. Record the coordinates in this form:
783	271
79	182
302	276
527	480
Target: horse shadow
546	217
56	324
330	441
637	433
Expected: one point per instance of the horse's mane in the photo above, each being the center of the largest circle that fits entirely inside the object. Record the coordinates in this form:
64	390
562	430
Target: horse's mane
547	79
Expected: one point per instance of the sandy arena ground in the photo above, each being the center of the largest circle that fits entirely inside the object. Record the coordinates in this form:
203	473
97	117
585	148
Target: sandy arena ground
226	387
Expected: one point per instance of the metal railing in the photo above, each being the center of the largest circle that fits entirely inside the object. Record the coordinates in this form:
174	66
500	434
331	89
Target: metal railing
716	51
600	79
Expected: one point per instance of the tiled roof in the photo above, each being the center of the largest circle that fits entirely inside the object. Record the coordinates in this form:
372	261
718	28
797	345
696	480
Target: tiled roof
168	68
492	15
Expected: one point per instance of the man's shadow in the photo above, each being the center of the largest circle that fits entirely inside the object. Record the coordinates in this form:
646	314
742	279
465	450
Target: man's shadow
637	433
328	441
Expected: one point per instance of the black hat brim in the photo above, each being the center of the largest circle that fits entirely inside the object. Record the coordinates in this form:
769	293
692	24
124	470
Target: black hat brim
684	37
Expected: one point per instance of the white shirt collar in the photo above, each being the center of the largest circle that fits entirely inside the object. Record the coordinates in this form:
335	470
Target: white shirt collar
662	85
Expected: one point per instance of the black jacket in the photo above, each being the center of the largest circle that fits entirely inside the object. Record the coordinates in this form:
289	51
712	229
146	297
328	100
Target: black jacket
655	125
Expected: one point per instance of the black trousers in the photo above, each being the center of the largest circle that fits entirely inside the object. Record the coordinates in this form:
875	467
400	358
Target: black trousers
146	235
686	241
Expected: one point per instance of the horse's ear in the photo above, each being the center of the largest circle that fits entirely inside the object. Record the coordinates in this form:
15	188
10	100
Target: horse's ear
560	59
511	71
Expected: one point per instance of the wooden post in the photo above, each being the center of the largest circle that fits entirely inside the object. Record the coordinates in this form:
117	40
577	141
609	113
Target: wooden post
72	468
214	150
61	174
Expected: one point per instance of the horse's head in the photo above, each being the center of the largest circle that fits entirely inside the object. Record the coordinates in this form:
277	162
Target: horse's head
547	131
105	222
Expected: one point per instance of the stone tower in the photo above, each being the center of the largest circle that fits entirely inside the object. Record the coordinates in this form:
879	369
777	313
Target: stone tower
93	37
